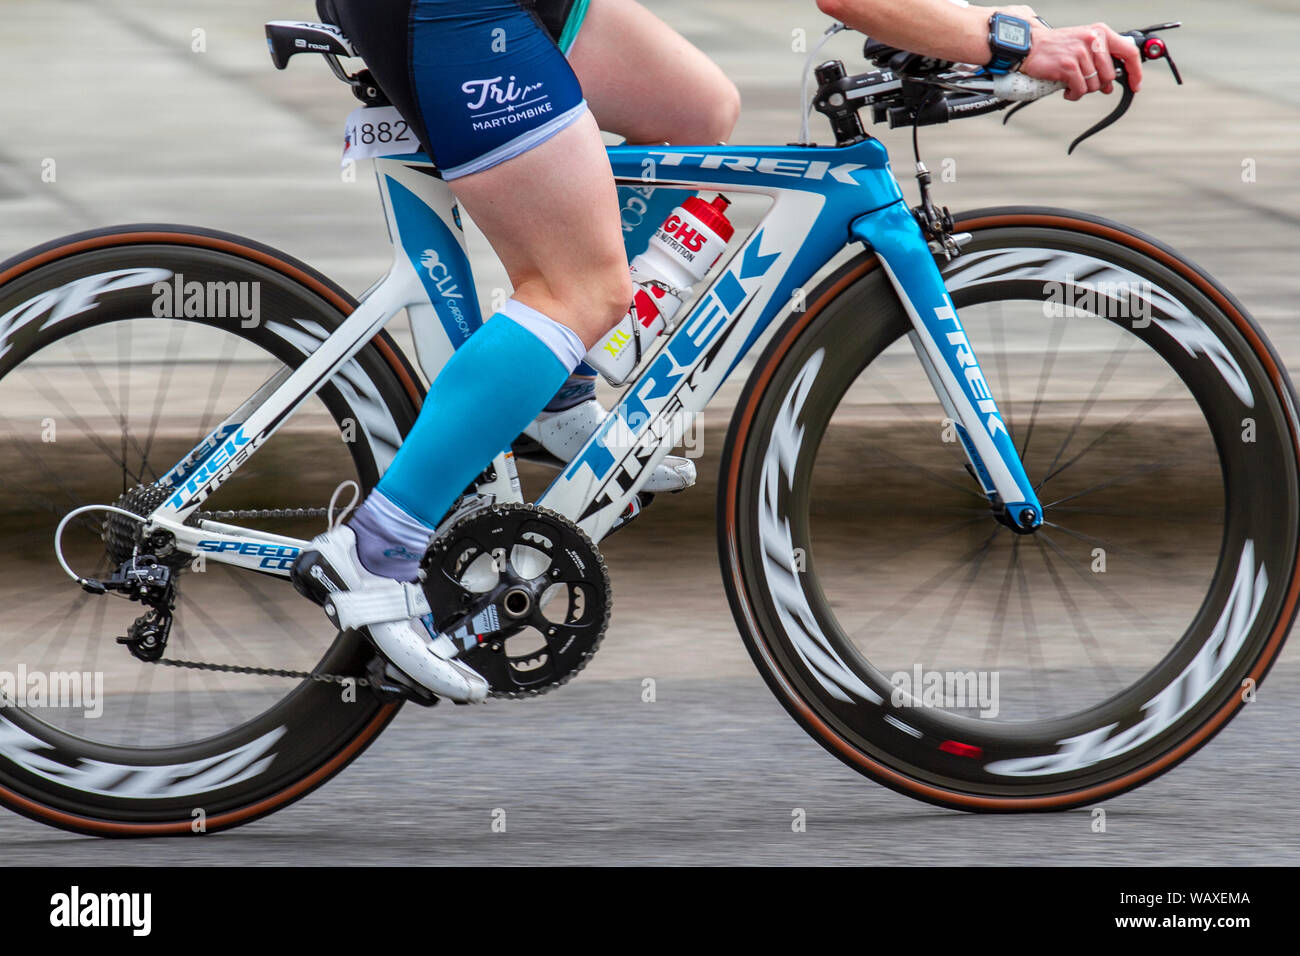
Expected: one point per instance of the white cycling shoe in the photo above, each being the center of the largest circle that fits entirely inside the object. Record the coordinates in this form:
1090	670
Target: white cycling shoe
331	565
563	433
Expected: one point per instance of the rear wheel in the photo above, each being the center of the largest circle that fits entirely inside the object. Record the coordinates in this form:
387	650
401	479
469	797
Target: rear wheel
926	644
119	351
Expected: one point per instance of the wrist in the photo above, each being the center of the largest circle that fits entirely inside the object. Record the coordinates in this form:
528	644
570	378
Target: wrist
1010	41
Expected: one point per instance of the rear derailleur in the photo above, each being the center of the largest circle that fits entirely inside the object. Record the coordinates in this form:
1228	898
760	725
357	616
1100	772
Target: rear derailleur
144	578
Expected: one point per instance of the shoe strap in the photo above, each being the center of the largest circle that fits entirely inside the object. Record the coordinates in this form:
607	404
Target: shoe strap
382	604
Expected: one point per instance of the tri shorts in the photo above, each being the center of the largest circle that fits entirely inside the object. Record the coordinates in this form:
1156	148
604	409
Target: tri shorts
480	81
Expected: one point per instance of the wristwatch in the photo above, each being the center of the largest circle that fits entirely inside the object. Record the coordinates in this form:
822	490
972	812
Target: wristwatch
1009	41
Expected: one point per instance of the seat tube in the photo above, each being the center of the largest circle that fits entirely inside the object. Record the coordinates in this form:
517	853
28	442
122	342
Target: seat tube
950	361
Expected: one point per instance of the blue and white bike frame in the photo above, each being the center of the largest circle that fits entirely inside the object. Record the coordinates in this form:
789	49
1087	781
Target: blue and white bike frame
821	199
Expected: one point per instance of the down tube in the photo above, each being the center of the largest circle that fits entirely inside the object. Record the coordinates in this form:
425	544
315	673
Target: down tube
817	194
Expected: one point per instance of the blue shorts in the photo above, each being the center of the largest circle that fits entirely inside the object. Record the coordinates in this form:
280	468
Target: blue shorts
480	81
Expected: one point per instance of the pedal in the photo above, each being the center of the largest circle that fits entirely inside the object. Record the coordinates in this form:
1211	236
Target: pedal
311	578
389	684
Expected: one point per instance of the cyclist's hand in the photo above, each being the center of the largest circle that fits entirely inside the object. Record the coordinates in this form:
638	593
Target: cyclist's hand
1081	58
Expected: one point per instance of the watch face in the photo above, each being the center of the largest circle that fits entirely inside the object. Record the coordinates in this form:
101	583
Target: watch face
1013	34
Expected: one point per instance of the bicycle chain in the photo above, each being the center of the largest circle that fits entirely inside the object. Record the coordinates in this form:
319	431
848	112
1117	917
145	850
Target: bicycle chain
269	513
263	671
254	514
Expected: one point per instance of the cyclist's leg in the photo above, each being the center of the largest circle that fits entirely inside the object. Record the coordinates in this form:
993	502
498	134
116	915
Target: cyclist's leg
502	114
645	81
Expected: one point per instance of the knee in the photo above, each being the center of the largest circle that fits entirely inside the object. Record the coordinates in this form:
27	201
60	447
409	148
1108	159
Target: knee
594	305
726	112
612	294
714	119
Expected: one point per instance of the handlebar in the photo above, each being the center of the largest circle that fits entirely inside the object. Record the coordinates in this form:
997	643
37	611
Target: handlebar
912	90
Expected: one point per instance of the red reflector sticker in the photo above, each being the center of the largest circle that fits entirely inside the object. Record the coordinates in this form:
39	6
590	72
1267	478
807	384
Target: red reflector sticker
960	749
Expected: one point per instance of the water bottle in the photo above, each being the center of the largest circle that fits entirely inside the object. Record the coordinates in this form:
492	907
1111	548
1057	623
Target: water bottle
690	241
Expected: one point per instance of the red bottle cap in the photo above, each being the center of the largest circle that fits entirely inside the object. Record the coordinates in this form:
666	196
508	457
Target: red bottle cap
712	215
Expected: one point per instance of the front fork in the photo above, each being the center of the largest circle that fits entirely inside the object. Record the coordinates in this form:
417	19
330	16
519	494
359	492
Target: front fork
949	360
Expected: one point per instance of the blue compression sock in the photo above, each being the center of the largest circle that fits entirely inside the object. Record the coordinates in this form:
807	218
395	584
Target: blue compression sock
487	392
579	387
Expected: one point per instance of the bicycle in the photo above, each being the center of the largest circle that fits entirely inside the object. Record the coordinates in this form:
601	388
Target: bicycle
1161	437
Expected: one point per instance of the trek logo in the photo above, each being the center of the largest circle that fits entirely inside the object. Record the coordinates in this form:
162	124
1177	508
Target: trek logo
767	165
275	557
655	393
217	466
965	358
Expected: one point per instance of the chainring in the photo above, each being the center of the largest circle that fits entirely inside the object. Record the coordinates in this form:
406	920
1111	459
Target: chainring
523	592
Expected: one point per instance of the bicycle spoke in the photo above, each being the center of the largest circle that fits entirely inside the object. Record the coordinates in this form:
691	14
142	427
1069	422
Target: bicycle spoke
57	399
1148	406
116	407
1089	641
220	372
162	390
1180	518
1037	670
994	642
1044	376
1098	387
909	598
930	650
1147	562
1141	471
924	472
1092	580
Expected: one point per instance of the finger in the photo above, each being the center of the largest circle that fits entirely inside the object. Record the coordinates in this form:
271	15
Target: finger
1102	61
1088	72
1075	85
1125	49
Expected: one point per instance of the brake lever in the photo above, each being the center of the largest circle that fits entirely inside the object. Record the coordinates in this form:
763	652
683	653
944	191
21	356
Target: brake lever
1125	101
1016	109
1149	48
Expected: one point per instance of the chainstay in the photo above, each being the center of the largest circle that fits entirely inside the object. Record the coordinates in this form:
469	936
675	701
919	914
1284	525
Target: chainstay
341	679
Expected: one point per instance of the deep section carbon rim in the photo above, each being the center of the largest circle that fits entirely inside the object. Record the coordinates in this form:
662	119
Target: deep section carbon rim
106	380
935	649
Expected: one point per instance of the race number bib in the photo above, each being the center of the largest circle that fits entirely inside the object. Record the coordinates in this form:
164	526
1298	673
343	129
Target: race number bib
377	131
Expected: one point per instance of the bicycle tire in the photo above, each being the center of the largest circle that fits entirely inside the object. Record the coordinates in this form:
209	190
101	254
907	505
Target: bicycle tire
948	758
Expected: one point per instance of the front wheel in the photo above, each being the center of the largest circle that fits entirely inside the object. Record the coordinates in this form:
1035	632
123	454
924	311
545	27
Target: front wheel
938	652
